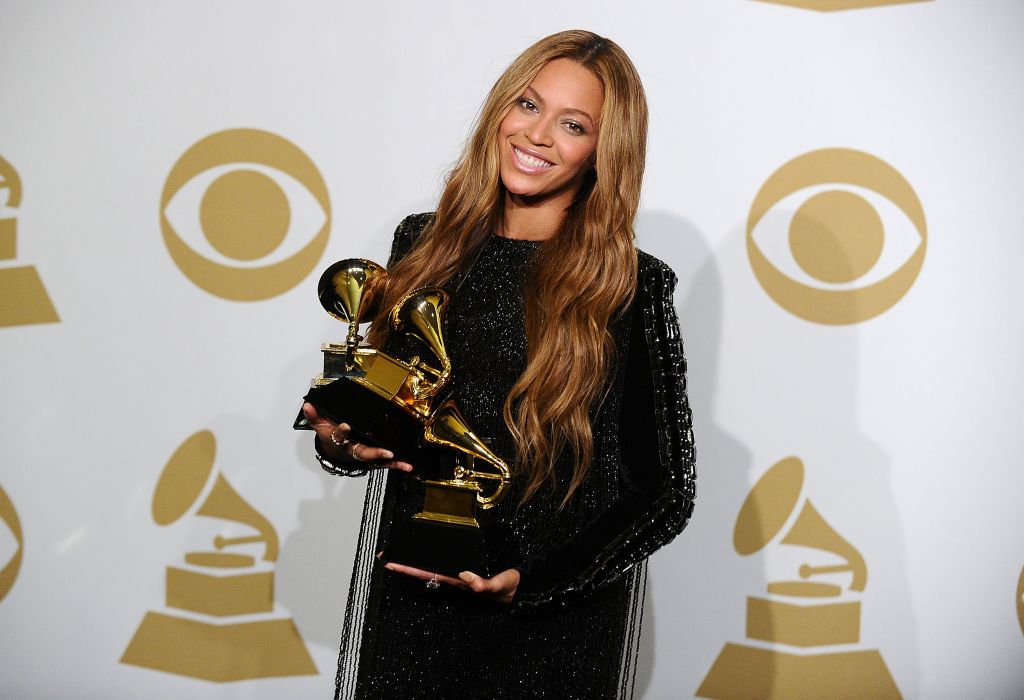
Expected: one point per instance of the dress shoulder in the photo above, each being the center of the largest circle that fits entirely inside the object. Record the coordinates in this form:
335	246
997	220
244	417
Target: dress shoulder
408	232
654	277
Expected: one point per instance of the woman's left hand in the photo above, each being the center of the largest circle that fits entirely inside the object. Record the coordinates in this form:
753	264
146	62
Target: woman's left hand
500	588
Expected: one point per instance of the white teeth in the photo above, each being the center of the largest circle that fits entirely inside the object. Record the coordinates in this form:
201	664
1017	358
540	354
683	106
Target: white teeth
531	161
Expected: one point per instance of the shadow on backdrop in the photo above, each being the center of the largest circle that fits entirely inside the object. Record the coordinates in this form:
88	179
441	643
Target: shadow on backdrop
696	582
831	563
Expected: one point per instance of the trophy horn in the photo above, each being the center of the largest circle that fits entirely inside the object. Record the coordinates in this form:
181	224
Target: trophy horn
448	427
350	290
420	313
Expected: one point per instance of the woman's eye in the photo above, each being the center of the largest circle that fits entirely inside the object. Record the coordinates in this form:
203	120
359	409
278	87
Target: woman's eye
575	127
527	104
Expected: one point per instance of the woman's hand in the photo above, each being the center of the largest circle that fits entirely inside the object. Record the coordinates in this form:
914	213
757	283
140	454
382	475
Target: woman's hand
500	588
336	444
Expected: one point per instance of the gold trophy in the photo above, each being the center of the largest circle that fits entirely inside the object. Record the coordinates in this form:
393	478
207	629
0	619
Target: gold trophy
399	404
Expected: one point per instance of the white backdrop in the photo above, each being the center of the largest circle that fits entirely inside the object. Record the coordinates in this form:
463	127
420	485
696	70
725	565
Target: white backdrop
906	422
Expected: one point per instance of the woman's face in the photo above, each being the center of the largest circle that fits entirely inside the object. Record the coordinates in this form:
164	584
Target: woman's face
546	141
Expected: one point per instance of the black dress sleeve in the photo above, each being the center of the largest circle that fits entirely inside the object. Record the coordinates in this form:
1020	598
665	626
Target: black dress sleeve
407	233
657	476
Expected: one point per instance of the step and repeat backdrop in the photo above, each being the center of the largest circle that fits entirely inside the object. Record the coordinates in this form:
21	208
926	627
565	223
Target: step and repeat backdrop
836	182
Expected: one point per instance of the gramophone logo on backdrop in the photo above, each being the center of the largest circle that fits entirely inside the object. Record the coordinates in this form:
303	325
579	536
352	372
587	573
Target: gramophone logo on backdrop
799	636
239	211
836	5
12	544
836	236
219	623
23	299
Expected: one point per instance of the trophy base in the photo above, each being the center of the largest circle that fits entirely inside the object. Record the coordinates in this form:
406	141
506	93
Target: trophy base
444	548
375	420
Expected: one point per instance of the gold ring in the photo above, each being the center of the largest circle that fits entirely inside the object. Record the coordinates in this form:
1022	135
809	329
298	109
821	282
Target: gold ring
340	444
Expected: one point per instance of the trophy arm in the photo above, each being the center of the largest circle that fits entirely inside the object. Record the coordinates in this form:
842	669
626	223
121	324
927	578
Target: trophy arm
498	493
428	390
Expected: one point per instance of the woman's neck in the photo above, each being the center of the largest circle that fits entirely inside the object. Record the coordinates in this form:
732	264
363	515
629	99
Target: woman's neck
530	221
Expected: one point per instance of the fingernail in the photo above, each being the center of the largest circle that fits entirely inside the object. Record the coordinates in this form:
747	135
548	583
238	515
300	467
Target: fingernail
407	467
387	454
467	576
389	567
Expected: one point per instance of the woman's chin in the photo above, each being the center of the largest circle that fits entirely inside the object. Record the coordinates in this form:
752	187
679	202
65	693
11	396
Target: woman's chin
535	193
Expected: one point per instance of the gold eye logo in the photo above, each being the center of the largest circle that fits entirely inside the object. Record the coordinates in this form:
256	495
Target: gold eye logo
1020	600
840	263
837	5
10	569
253	190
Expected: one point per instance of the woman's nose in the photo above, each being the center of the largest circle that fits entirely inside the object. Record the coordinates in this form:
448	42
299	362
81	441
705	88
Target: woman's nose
539	132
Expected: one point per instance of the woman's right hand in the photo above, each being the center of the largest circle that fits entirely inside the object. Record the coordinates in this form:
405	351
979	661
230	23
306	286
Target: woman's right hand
336	445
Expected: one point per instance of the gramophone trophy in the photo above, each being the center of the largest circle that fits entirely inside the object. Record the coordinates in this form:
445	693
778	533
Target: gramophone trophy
399	404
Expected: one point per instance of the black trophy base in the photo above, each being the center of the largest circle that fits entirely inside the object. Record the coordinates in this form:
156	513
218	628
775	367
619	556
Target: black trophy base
374	419
439	547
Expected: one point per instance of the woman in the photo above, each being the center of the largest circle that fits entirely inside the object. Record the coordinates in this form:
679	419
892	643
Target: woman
566	351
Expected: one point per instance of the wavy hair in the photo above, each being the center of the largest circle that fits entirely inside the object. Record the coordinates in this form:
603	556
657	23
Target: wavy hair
585	275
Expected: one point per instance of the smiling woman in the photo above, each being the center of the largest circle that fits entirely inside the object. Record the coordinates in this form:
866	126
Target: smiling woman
547	140
567	355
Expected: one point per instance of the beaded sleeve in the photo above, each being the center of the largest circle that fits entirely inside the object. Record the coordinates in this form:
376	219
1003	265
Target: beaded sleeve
657	477
340	467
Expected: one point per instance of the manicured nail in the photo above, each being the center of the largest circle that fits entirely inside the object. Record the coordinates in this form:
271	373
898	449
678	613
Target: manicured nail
467	576
387	454
389	567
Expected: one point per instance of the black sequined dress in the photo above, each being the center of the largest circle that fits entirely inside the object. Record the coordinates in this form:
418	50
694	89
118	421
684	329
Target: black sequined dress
572	628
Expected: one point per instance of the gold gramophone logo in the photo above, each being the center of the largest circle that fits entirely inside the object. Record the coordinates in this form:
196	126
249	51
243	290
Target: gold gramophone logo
794	632
16	541
219	624
836	5
840	262
259	200
23	298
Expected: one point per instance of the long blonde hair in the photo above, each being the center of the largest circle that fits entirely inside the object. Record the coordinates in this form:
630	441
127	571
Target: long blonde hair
586	274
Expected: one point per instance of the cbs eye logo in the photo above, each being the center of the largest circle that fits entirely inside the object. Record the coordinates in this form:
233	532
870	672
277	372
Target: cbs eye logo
836	236
838	5
238	212
1020	600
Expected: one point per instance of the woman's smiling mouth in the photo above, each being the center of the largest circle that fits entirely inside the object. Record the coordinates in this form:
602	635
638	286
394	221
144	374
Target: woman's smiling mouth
529	162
